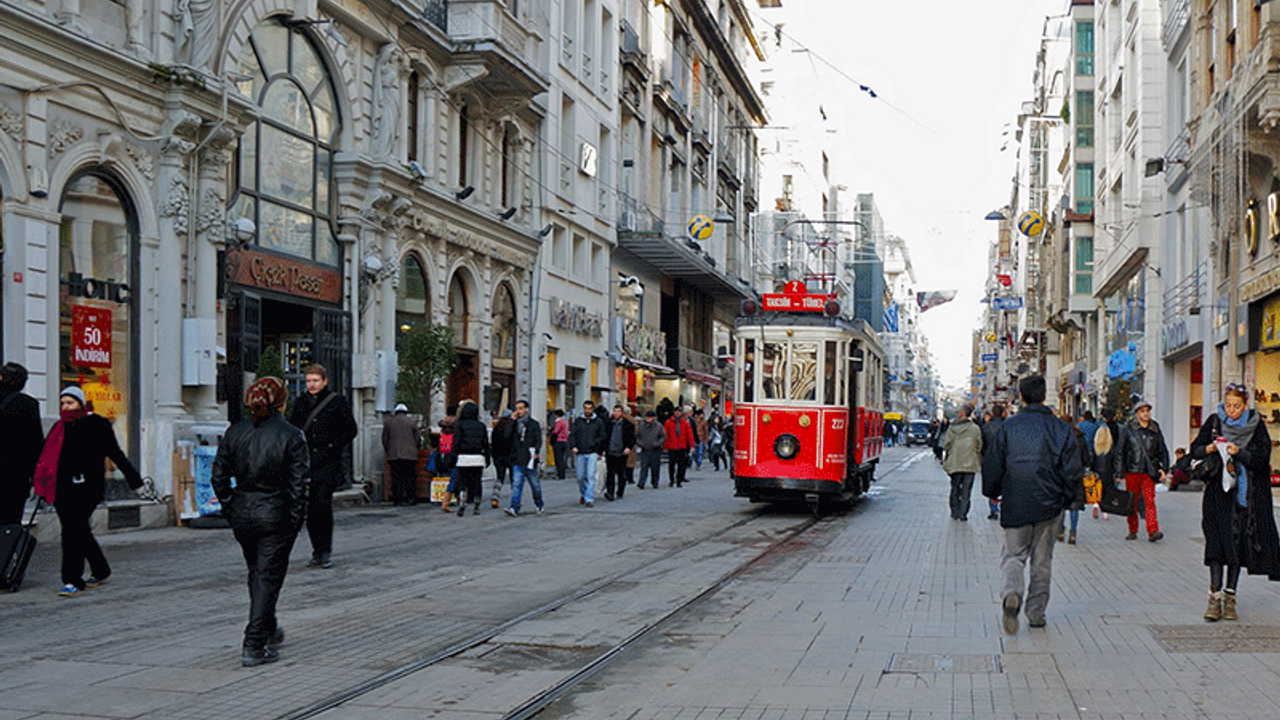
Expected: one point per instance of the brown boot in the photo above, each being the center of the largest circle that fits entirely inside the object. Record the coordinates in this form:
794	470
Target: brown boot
448	500
1229	606
1214	611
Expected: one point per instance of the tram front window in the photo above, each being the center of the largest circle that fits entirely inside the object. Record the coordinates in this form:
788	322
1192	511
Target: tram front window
773	369
804	371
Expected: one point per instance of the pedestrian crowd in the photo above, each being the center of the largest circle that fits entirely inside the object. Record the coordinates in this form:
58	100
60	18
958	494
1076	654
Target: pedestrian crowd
1038	469
274	475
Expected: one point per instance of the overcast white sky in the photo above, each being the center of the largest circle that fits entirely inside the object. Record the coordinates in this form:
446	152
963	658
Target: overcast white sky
956	73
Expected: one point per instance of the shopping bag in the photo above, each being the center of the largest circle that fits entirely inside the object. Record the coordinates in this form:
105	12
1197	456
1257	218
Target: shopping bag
1092	488
1116	501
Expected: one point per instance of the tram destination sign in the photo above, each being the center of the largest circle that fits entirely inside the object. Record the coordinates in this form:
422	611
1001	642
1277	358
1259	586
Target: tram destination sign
794	302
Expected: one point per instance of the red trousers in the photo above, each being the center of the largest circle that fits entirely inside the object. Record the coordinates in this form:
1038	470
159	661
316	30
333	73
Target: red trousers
1141	485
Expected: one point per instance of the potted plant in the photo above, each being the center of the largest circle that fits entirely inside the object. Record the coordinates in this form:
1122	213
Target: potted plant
427	358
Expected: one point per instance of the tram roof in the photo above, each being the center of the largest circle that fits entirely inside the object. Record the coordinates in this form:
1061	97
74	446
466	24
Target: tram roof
856	326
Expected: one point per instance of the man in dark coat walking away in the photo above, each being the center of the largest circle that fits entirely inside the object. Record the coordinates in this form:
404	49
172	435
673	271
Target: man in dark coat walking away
400	437
268	459
23	438
500	440
1034	467
325	418
989	430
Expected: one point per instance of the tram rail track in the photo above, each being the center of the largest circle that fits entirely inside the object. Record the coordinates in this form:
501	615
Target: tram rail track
540	701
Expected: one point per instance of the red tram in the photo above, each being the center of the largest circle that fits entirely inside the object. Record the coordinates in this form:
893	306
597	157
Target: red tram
807	421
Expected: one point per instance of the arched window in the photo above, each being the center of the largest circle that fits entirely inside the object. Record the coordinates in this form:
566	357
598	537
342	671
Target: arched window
504	329
284	188
413	303
97	242
458	311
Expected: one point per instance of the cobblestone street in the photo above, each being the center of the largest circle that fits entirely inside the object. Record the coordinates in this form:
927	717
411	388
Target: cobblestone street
887	610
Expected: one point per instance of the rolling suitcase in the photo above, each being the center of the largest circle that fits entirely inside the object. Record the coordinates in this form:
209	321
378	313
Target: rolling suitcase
16	545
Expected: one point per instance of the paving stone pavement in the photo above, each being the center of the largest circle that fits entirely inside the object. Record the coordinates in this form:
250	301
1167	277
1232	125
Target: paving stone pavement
886	611
890	611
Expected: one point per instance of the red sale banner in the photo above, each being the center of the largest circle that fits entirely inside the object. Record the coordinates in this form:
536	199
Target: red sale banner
90	336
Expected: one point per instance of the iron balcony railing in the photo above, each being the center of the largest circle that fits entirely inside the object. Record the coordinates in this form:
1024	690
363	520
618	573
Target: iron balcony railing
1188	296
436	12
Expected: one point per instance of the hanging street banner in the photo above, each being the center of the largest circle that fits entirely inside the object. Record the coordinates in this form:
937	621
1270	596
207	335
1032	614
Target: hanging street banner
934	298
1007	303
989	357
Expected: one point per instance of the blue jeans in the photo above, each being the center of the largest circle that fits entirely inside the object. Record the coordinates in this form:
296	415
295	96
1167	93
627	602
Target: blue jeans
697	453
585	463
520	473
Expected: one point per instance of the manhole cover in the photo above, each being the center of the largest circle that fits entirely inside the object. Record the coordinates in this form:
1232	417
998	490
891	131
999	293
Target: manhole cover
927	663
1219	638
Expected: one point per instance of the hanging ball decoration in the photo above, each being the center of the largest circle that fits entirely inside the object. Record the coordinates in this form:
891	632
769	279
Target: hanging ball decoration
701	227
1030	224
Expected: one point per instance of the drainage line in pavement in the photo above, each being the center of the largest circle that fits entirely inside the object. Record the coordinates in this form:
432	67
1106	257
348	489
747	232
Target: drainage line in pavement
390	676
539	702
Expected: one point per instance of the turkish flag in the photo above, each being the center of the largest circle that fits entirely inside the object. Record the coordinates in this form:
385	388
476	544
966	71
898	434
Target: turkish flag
1005	280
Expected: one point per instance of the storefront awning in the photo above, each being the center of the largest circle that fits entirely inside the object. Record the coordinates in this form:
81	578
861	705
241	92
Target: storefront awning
631	362
703	378
682	262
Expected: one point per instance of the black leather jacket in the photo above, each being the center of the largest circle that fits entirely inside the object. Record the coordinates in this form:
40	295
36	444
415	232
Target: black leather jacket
1139	450
269	461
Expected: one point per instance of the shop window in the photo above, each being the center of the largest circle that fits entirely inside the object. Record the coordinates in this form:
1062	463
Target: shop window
458	310
504	329
413	305
97	241
286	191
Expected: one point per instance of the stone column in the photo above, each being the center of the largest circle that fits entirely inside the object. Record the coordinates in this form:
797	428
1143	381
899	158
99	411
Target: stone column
210	219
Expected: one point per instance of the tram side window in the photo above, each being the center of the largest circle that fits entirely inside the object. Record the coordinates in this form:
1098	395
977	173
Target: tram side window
773	368
804	371
748	383
830	365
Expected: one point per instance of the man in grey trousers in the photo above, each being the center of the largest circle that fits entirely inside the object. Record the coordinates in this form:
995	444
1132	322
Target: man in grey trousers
1034	468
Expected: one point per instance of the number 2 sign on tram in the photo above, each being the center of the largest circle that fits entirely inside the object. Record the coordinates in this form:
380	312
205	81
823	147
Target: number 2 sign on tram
90	336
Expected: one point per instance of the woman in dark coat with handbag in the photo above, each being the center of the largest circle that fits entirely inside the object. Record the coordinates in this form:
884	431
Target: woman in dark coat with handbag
1236	513
471	450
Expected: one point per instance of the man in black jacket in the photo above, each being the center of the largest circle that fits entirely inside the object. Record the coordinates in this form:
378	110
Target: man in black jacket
268	459
1034	467
23	437
587	441
325	417
1141	458
526	439
989	430
621	438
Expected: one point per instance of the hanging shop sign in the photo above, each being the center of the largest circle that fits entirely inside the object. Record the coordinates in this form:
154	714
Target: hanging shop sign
1007	303
1175	336
287	275
576	318
641	342
90	336
1270	338
989	357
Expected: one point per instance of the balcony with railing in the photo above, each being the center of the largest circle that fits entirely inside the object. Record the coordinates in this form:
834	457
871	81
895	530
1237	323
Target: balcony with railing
498	45
642	232
436	12
1179	331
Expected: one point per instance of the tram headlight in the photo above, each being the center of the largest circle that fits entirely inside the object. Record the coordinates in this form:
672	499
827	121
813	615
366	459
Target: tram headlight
786	446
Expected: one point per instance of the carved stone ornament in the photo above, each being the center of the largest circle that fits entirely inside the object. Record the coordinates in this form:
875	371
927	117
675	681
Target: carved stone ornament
143	160
183	124
176	145
212	219
177	204
63	136
11	123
